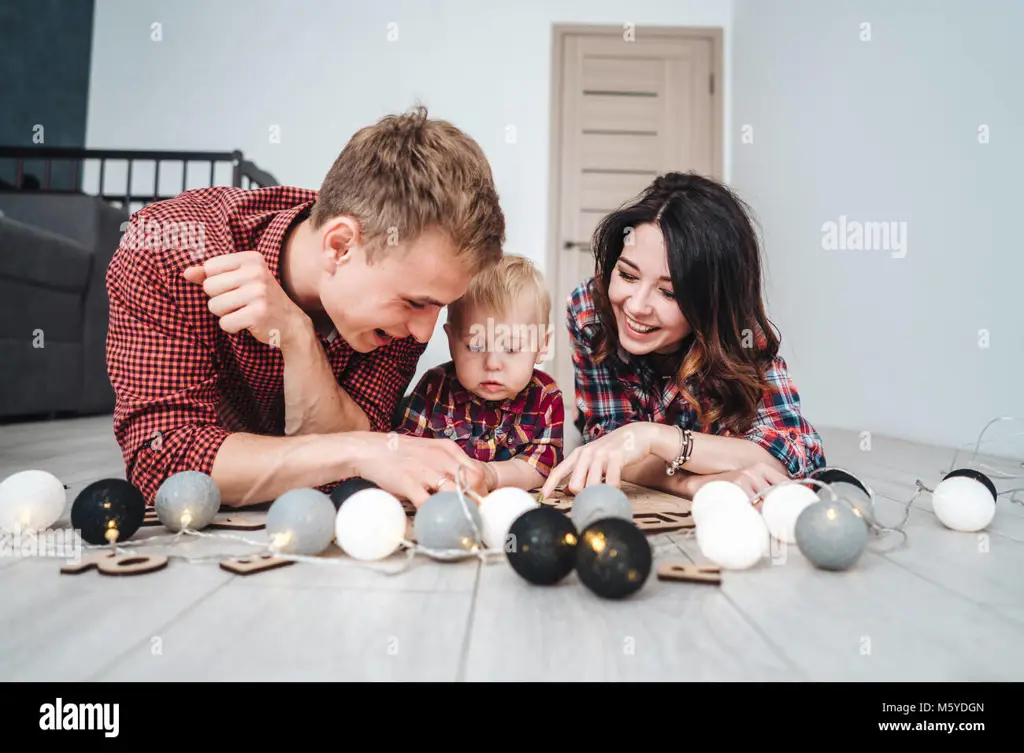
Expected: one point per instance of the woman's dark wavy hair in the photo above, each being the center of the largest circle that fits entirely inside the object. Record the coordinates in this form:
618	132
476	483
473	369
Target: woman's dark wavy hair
715	265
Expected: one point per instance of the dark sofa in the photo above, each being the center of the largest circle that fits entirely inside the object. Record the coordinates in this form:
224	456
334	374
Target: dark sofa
55	248
54	253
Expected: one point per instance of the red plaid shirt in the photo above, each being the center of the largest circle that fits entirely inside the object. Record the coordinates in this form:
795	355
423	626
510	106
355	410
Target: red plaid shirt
626	389
182	384
527	426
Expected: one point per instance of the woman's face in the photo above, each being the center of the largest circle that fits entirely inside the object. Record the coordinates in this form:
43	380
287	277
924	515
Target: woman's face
640	291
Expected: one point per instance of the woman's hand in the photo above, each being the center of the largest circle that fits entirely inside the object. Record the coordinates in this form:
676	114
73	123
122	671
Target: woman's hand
602	460
753	480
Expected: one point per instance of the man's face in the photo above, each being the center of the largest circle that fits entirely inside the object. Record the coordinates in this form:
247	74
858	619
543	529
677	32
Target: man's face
400	294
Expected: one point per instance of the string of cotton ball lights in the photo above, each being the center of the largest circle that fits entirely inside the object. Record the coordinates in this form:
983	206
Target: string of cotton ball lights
831	527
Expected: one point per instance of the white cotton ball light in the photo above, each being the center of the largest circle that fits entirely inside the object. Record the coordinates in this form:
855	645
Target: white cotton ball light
31	501
499	510
965	500
717	494
782	506
370	525
733	537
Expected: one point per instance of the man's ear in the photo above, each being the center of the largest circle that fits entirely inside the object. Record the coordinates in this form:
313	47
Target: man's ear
342	239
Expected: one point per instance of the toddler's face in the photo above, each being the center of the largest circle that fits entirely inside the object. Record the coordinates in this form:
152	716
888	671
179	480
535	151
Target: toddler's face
495	355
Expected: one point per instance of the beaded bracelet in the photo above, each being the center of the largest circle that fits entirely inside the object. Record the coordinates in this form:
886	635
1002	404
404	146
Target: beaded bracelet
685	449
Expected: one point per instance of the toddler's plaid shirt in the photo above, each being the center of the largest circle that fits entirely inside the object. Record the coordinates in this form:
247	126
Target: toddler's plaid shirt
527	426
626	389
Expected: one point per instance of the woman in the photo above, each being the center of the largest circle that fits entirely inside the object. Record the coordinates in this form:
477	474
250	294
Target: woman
678	377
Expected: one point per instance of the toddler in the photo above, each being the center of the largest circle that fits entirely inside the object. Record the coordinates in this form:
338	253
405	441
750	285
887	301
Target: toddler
490	398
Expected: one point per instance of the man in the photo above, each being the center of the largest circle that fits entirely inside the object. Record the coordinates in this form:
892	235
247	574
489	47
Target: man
272	353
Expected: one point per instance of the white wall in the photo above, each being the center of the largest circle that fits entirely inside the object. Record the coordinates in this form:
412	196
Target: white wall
888	130
225	71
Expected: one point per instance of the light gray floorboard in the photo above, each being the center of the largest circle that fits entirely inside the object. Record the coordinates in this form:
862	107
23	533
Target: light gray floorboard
68	627
666	632
271	633
943	606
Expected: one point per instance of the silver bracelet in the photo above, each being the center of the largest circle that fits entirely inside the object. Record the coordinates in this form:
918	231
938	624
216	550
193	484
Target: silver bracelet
685	450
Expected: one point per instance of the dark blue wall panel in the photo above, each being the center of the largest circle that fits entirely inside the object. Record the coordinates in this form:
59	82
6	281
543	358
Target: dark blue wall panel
45	56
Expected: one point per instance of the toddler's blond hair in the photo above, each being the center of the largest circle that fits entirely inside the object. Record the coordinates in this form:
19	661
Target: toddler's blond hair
496	290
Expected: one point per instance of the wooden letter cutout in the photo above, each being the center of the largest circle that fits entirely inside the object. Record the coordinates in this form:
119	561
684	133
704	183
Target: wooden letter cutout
254	564
686	572
133	564
562	505
236	523
662	522
110	563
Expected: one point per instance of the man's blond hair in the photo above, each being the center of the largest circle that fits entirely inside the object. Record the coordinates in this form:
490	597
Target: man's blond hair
495	291
407	174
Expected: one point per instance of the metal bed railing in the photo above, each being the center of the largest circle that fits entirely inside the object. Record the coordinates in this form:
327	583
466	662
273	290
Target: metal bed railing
244	173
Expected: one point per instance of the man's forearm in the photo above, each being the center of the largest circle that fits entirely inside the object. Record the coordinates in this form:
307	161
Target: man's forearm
251	468
314	403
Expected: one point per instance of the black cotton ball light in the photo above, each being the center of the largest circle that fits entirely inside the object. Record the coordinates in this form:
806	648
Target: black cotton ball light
348	487
844	484
541	546
108	511
614	558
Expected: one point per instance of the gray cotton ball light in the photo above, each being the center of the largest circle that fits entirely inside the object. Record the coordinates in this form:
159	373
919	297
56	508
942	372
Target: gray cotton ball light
831	535
187	500
442	525
844	484
301	521
597	502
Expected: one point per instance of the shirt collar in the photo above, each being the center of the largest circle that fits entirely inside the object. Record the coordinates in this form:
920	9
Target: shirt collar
271	243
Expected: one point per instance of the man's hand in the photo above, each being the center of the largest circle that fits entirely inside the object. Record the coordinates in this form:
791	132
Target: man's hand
415	467
245	295
602	460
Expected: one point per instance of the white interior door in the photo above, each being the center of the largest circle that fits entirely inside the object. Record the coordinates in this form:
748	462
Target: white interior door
623	113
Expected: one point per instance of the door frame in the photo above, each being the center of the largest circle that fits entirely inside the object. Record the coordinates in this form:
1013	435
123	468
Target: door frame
559	32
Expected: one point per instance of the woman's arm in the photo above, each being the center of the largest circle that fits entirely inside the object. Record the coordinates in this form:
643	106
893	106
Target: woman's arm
779	438
711	453
650	473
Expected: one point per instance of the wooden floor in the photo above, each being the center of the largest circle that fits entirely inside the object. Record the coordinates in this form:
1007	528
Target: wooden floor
944	606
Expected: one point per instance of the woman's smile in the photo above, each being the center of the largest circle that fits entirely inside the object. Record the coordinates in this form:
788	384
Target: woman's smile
639	327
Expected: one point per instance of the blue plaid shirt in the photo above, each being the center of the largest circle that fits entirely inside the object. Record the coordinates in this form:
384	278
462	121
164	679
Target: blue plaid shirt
625	389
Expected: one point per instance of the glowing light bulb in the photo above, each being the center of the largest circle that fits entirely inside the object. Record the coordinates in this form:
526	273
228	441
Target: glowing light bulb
186	519
596	541
281	540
